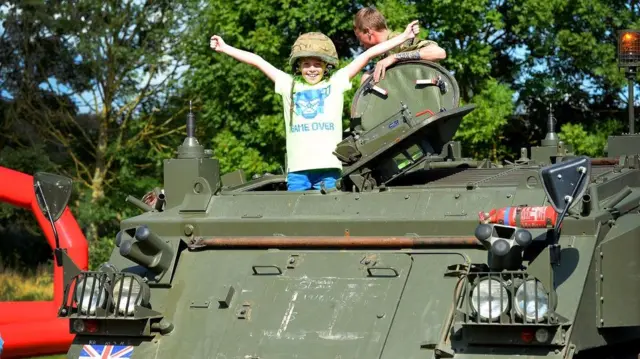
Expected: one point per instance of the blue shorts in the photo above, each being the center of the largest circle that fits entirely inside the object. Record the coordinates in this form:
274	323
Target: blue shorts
305	180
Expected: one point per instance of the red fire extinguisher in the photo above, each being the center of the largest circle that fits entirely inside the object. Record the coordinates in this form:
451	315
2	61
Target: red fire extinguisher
521	216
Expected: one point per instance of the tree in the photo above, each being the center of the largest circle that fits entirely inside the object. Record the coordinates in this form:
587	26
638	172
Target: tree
126	67
553	52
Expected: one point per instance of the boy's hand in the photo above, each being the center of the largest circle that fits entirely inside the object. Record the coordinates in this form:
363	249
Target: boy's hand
412	30
216	43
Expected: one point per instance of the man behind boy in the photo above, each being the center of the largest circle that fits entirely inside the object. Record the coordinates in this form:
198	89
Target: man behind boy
370	28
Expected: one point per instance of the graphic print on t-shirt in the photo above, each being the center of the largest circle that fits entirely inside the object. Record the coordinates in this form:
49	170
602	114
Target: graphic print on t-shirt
310	103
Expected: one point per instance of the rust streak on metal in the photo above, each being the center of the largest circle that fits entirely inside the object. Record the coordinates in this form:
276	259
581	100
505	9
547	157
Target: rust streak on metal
340	242
604	161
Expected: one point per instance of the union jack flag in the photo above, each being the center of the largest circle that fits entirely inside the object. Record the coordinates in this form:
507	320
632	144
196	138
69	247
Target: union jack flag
106	352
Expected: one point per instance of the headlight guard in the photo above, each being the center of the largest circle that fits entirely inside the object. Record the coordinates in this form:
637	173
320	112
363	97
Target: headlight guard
531	301
129	292
90	294
107	295
504	298
489	299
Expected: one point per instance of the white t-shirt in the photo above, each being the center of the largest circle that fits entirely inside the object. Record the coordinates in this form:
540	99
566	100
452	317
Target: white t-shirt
316	128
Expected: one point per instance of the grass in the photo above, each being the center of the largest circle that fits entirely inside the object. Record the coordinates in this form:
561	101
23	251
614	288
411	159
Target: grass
35	285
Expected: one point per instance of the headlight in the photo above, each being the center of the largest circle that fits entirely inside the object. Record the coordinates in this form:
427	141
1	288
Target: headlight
535	293
489	298
130	289
88	292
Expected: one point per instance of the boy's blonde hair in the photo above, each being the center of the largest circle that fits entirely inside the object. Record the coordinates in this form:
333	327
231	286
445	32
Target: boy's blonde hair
369	17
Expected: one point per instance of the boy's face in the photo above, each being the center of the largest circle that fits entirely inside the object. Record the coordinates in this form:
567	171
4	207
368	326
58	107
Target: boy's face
312	69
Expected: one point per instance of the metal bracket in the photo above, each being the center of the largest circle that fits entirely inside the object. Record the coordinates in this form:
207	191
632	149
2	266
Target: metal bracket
244	311
363	182
441	352
407	116
370	87
442	86
554	254
198	199
599	254
293	261
257	272
199	304
369	260
370	271
225	298
456	270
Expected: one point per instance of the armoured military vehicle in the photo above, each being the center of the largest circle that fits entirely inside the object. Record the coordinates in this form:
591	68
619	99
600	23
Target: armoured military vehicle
419	252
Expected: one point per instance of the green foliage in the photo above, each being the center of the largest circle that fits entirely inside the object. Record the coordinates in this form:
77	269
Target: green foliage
29	160
100	250
398	14
591	142
481	130
233	155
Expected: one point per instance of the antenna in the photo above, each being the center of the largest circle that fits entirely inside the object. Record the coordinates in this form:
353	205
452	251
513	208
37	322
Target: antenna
551	122
191	122
551	139
190	147
631	74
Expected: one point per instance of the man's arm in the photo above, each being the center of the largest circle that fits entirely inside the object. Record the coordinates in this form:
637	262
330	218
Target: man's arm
217	44
430	52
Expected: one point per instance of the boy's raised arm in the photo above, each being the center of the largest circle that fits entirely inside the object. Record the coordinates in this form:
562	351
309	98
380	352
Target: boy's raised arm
363	59
217	44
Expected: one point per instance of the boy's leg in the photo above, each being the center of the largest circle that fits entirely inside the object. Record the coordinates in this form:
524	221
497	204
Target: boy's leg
298	181
328	176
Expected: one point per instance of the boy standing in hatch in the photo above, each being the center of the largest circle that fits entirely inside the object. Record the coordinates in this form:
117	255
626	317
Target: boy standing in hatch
312	102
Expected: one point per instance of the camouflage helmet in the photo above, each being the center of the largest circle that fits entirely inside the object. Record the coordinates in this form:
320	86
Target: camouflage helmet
314	44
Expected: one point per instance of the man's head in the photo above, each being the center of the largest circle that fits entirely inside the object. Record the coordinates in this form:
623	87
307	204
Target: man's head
312	54
370	27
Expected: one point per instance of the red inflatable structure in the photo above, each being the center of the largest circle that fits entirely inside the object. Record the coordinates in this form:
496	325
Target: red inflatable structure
32	328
